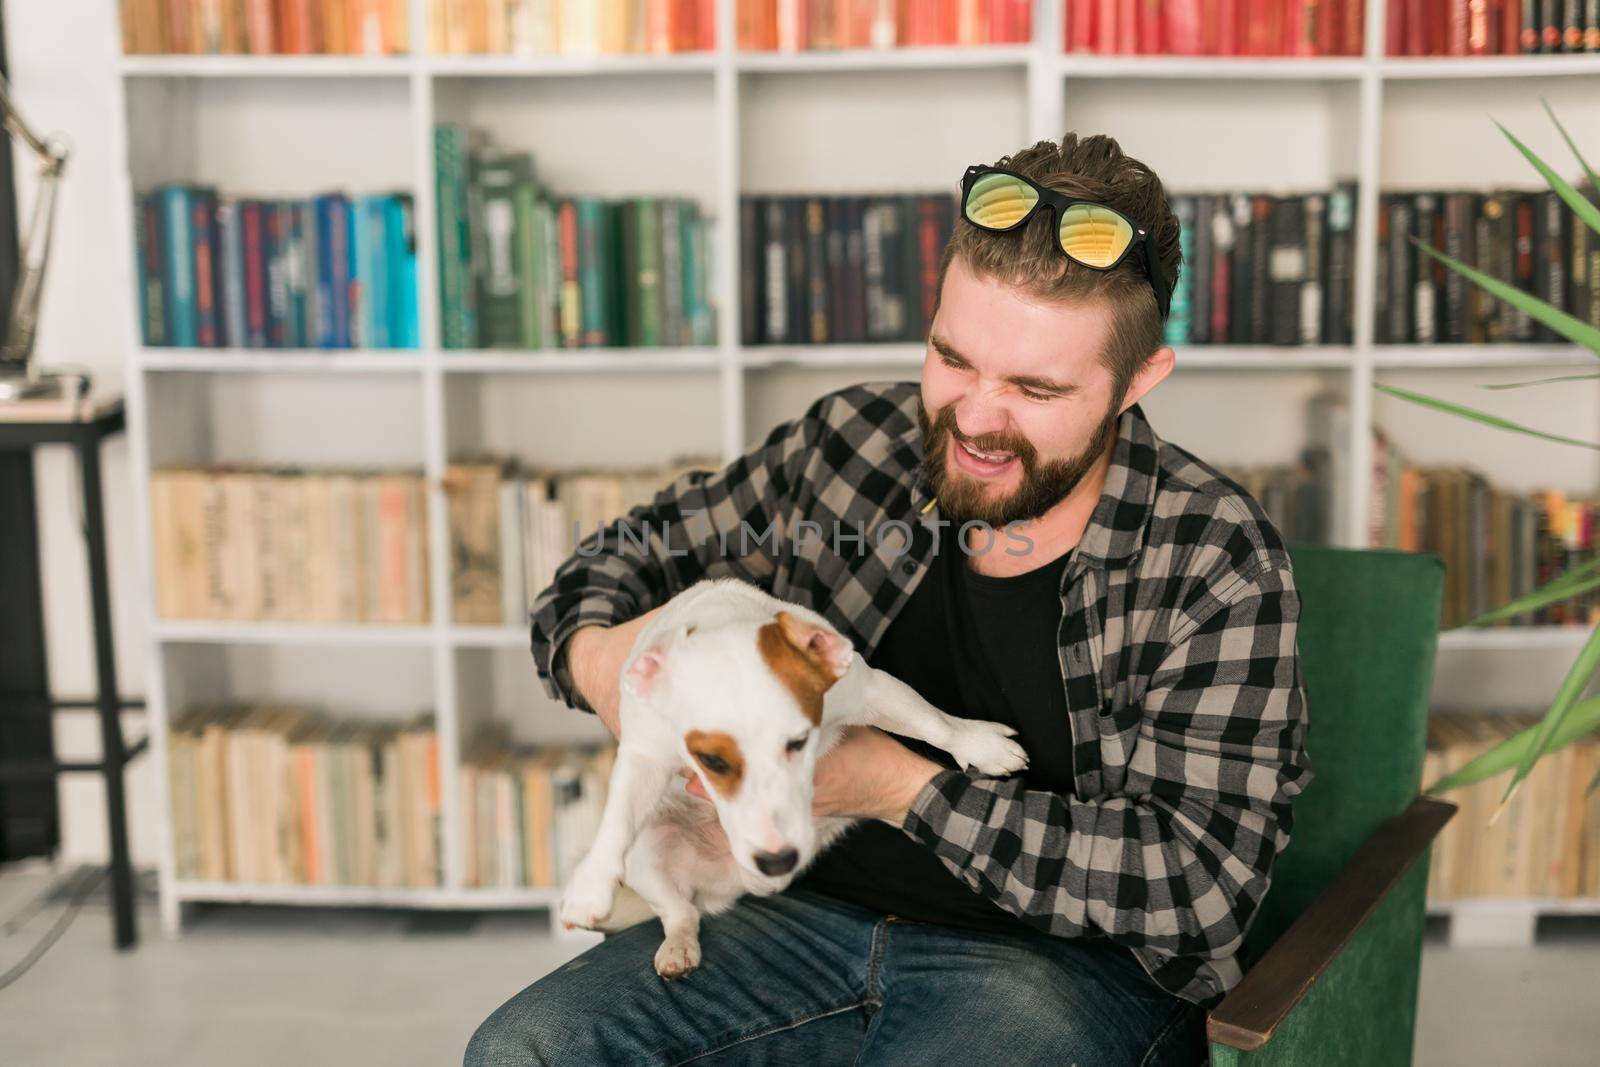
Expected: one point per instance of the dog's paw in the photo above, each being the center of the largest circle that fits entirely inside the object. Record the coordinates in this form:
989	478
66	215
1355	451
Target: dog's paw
589	898
677	957
987	747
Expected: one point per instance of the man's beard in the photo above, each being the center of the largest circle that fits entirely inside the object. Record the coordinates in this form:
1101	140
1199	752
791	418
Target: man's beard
964	497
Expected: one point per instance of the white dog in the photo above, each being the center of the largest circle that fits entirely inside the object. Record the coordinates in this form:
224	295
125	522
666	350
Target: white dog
748	690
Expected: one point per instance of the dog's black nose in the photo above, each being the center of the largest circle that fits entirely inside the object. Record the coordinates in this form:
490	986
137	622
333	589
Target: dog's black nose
773	864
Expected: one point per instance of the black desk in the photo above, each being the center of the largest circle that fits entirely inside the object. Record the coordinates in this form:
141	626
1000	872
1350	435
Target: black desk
85	437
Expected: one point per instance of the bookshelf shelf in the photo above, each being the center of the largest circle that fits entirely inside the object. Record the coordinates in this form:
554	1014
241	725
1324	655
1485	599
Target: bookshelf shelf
363	896
225	632
230	66
1514	638
1445	357
1425	69
977	57
1013	94
582	361
268	361
497	66
1273	68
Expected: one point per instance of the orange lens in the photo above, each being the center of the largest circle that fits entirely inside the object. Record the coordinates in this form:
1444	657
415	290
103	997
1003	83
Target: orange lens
999	201
1093	235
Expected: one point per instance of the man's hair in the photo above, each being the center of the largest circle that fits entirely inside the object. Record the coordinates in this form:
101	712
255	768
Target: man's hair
1092	168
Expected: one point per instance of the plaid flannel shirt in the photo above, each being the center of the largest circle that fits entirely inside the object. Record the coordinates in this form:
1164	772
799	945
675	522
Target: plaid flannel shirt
1177	648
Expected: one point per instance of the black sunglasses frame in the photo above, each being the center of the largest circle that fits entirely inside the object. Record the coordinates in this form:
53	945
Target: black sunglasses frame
1058	203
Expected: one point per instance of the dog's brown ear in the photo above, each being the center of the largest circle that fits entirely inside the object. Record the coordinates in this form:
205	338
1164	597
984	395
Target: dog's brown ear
828	650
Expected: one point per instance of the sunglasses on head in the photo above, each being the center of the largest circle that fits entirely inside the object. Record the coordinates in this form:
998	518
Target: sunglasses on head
1095	235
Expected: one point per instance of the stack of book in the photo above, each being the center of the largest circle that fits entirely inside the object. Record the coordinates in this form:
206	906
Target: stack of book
528	814
290	545
826	269
1526	238
1547	841
330	272
282	794
1265	269
818	25
570	27
1497	546
260	27
511	529
1223	28
1492	28
1295	497
521	267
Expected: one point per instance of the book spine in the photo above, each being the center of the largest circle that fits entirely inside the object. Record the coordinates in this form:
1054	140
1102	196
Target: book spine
650	287
152	274
180	281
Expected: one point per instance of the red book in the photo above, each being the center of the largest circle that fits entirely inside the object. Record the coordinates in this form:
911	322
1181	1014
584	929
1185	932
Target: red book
1105	26
1078	33
1183	28
1227	28
205	295
255	278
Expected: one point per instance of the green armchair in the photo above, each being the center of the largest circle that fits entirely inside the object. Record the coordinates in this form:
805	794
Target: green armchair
1334	955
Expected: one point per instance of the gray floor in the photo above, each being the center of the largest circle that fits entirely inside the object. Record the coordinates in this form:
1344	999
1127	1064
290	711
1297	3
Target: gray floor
302	987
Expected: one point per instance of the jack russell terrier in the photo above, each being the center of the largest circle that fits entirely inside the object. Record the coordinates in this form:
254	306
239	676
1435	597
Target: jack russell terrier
748	690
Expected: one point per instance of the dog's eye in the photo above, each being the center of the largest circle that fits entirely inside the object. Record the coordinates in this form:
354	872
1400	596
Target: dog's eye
714	764
795	744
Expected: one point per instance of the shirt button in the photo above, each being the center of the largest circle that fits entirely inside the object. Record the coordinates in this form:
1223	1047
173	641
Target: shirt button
909	567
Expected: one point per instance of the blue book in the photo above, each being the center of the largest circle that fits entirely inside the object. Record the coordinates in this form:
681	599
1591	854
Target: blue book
401	240
306	213
373	264
295	274
322	329
179	266
334	273
231	226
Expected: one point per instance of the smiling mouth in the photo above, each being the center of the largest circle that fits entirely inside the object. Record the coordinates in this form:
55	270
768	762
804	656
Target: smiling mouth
982	462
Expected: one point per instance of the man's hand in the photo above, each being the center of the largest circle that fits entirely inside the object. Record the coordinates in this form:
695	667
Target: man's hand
867	775
595	655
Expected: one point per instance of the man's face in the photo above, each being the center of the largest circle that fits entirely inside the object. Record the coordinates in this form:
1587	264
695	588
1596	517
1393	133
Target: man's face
1016	403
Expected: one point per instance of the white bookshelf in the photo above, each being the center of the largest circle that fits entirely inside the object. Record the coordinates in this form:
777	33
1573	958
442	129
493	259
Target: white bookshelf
747	123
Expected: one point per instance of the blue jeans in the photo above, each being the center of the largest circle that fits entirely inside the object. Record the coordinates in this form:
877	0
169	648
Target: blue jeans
801	978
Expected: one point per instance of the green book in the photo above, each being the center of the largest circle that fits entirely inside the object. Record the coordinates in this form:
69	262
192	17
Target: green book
649	273
529	266
497	176
455	290
592	270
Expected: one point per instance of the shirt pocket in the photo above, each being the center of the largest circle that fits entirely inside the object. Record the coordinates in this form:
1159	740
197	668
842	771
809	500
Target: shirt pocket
1119	732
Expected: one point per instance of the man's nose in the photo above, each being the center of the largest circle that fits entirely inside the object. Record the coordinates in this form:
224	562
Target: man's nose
773	864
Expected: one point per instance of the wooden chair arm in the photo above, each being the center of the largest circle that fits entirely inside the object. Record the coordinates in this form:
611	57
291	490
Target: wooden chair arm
1249	1014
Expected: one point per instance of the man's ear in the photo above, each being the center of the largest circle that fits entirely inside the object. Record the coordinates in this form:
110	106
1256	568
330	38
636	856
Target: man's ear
644	674
829	652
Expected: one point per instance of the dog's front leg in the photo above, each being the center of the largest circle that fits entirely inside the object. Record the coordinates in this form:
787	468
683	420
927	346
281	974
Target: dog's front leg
987	747
657	866
637	783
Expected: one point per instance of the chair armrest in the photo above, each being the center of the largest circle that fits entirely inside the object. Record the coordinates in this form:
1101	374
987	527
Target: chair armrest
1249	1014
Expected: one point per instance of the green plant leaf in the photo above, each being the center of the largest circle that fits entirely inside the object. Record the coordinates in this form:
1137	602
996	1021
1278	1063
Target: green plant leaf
1483	417
1576	581
1584	163
1569	326
1542	381
1578	676
1575	200
1594	783
1582	718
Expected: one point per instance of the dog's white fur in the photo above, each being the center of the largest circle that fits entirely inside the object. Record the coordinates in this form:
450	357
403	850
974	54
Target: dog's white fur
697	667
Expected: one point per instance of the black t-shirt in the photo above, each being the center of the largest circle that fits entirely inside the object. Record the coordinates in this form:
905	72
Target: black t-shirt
980	648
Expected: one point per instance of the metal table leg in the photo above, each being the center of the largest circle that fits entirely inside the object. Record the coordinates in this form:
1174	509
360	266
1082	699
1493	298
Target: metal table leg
112	750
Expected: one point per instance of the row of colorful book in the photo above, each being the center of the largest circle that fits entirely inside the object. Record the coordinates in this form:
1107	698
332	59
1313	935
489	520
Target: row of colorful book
1529	239
1547	841
825	269
260	27
1265	269
328	272
529	812
1497	545
523	267
824	25
510	529
1491	27
1217	28
240	542
269	793
570	27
